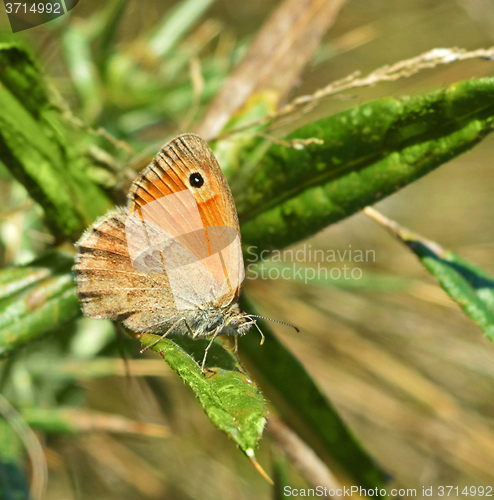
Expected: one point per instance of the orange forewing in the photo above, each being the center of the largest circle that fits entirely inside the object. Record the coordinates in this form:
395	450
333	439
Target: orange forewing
169	173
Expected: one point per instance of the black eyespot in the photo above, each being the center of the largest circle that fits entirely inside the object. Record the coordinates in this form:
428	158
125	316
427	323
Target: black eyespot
196	180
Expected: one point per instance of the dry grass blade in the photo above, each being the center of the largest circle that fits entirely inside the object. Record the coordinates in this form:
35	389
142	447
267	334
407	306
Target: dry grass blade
388	73
90	421
107	367
401	69
312	468
15	210
111	457
275	59
396	229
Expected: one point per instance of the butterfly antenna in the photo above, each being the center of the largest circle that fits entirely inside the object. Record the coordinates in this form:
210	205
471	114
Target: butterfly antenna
274	321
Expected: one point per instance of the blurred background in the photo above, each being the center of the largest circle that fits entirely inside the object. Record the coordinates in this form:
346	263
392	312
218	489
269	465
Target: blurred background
408	372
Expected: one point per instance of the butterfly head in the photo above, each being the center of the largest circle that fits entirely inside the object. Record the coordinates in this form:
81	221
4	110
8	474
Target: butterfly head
236	322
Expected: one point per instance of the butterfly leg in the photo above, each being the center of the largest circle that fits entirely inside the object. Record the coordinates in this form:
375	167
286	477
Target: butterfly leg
235	351
207	350
165	334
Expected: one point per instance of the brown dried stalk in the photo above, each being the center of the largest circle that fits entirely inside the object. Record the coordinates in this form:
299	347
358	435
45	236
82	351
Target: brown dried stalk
275	60
312	468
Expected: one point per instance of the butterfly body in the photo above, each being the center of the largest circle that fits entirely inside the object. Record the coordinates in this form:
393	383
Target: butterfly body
171	262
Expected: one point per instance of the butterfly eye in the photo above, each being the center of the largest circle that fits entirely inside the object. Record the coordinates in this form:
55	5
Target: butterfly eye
196	180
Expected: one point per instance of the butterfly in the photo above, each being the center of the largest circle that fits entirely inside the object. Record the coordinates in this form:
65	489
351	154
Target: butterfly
170	262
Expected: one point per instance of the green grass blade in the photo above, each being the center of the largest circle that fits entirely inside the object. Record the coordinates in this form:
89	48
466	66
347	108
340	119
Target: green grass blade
34	300
105	28
467	284
302	403
280	474
176	24
42	151
76	45
21	75
369	152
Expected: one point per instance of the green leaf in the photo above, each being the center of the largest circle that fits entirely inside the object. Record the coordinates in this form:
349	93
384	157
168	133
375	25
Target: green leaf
22	76
43	151
467	284
303	405
230	399
368	152
35	299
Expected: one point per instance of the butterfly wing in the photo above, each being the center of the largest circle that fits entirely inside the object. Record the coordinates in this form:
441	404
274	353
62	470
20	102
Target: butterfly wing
202	217
177	247
109	287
